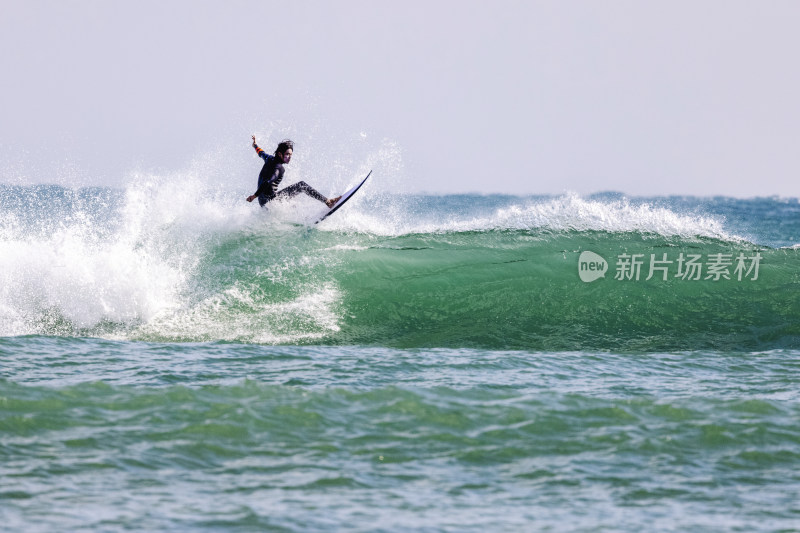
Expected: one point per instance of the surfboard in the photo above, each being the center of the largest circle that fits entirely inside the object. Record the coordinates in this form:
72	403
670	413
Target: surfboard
346	196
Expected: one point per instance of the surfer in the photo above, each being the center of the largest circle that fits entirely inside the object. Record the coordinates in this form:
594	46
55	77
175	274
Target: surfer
272	173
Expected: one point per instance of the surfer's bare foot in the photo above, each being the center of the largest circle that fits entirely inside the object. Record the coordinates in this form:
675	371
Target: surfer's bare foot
330	202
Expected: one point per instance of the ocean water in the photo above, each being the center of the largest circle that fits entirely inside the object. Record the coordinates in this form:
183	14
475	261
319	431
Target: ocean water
174	362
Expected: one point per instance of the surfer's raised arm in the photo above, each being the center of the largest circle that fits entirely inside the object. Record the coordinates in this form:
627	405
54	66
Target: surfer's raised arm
261	153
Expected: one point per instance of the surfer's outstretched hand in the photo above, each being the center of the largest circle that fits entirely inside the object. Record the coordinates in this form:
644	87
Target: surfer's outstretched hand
254	141
251	197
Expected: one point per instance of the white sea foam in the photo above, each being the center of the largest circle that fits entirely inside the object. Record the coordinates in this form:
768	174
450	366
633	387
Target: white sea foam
135	272
565	213
236	314
79	275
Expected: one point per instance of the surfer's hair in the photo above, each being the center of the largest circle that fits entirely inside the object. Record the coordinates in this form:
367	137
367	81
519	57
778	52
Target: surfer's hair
285	144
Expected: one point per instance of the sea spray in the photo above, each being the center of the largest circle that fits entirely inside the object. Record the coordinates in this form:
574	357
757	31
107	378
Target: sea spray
418	214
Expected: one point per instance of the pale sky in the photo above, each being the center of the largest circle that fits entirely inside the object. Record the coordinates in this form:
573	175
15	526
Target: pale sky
645	98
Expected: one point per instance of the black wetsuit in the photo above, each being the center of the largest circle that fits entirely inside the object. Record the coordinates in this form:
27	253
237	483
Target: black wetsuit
271	176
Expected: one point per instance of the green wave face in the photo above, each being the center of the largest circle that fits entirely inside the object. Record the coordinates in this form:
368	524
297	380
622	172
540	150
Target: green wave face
494	290
511	290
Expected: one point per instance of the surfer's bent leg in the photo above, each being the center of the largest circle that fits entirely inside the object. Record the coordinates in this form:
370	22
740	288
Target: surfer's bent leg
297	188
